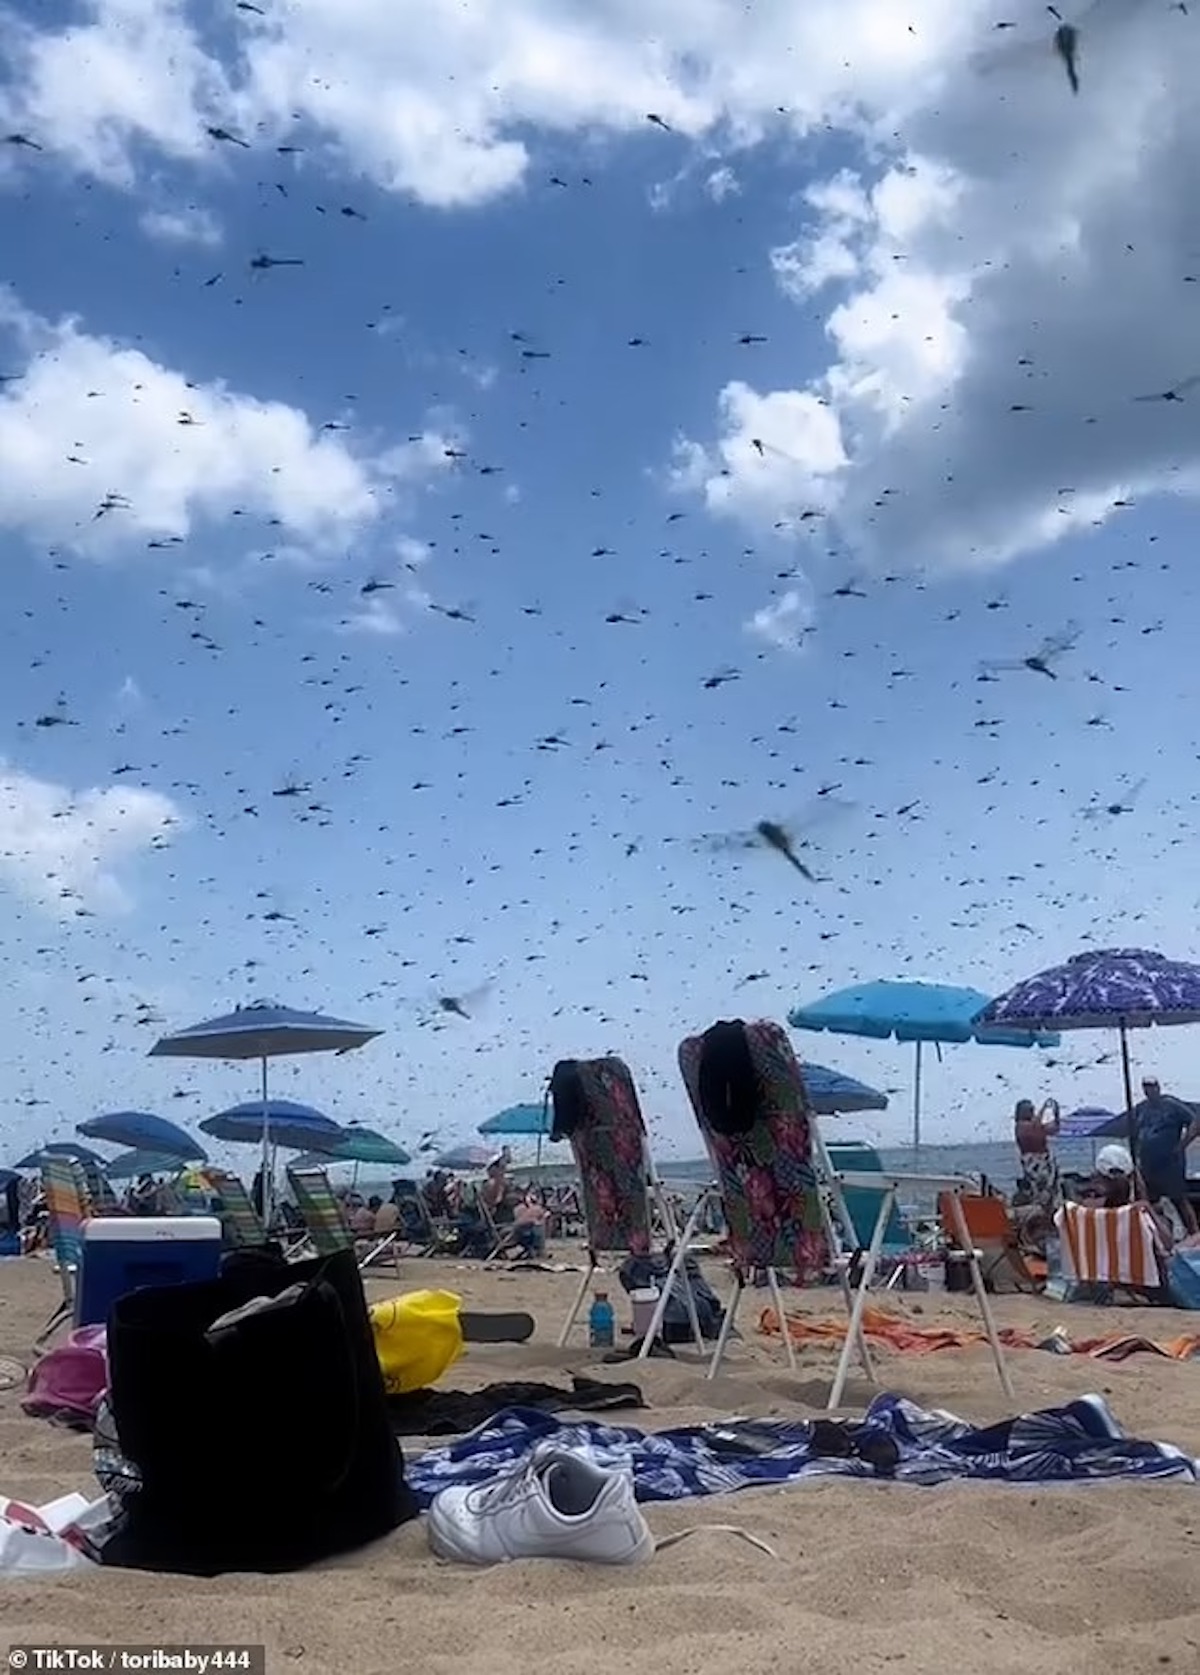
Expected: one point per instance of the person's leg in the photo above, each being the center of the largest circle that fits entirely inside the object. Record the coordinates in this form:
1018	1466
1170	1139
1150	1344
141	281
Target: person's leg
1183	1209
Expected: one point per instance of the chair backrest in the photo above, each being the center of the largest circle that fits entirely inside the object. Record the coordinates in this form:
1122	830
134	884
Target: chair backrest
240	1221
1113	1247
322	1213
856	1157
66	1193
596	1109
101	1199
988	1221
765	1172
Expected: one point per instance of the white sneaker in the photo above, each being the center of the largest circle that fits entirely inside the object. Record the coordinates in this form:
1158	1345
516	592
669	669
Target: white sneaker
555	1505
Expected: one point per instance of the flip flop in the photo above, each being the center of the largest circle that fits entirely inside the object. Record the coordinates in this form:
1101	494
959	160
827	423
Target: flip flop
496	1328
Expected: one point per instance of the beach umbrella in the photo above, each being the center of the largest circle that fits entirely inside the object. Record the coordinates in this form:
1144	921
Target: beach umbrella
830	1092
263	1031
7	1177
936	1013
358	1144
1087	1123
142	1131
525	1120
62	1148
522	1121
284	1122
1104	988
465	1157
129	1165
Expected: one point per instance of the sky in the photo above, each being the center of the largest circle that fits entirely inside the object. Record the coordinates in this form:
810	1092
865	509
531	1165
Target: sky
463	465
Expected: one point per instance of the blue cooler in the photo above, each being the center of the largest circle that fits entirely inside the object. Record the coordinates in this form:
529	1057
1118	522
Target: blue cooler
123	1253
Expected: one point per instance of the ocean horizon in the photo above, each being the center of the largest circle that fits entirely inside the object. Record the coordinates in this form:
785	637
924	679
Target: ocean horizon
997	1160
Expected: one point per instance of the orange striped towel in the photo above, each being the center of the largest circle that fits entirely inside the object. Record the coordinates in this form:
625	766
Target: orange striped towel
1113	1247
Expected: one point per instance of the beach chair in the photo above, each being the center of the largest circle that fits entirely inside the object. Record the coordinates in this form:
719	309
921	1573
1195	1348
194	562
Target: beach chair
1120	1249
327	1226
899	1250
993	1236
596	1109
785	1204
240	1221
65	1189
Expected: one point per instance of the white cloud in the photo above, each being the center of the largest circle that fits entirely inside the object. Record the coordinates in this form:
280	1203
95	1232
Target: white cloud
997	295
374	616
95	424
190	224
786	621
434	98
60	848
722	183
1002	244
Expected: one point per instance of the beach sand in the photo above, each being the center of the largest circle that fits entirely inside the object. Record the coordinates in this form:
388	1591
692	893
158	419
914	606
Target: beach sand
869	1576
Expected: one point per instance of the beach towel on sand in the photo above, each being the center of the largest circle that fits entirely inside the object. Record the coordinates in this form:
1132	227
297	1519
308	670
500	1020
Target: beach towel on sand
1079	1443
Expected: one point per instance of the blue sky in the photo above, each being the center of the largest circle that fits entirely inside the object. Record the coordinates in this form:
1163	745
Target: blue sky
208	638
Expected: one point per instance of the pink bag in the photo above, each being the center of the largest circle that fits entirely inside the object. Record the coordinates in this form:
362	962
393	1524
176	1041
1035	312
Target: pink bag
66	1385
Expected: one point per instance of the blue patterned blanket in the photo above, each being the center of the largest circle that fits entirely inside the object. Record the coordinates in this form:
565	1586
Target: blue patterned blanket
1078	1443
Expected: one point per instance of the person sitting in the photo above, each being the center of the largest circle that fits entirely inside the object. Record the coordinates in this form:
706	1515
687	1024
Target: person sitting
528	1230
387	1217
362	1216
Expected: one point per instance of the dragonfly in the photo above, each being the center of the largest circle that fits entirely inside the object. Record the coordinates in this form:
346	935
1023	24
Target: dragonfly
1100	809
788	838
1064	41
1052	649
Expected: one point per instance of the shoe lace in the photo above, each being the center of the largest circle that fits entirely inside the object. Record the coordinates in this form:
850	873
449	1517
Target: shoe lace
512	1486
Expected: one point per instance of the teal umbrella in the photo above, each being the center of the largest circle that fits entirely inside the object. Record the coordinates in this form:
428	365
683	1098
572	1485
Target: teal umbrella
129	1165
359	1144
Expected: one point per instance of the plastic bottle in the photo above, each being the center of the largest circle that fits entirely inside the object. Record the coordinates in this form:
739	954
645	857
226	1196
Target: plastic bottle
602	1322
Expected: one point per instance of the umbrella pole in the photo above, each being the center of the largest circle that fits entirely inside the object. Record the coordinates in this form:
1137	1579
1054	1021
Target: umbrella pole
917	1107
1127	1075
268	1158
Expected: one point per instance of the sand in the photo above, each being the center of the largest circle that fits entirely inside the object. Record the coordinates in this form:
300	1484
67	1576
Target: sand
869	1576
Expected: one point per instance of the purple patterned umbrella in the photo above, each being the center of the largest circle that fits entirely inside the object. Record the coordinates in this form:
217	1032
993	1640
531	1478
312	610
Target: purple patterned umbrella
1105	988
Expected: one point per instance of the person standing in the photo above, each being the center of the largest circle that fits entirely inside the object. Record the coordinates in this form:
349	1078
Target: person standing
1163	1129
1033	1131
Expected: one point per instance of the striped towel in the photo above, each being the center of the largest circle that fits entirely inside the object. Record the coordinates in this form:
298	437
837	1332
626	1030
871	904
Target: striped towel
1113	1247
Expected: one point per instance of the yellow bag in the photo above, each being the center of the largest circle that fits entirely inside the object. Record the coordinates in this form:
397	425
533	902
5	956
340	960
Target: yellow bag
417	1338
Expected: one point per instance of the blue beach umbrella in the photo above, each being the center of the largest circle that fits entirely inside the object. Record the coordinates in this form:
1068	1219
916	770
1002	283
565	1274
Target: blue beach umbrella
142	1131
61	1148
918	1012
830	1092
522	1121
264	1032
284	1122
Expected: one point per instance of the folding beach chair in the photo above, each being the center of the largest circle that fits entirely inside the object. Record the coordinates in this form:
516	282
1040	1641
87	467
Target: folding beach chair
785	1204
327	1225
1120	1249
994	1238
596	1109
65	1189
240	1221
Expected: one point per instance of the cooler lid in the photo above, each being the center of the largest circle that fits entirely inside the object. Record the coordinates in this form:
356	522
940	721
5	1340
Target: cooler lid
136	1230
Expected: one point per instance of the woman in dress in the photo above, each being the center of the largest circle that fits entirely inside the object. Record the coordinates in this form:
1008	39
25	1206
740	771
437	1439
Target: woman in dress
1033	1131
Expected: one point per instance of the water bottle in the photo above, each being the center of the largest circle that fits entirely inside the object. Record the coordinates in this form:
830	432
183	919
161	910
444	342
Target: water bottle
602	1322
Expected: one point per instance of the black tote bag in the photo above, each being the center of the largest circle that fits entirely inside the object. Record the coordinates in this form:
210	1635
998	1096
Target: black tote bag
263	1445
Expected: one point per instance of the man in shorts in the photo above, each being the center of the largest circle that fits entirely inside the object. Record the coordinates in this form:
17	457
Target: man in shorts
1163	1130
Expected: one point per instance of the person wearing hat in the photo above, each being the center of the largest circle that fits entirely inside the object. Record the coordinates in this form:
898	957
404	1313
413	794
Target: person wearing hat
1113	1184
1163	1129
